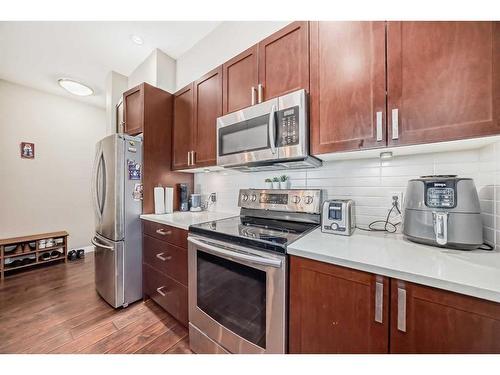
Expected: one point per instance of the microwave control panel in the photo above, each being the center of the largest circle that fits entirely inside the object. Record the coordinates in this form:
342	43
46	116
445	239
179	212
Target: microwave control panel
288	127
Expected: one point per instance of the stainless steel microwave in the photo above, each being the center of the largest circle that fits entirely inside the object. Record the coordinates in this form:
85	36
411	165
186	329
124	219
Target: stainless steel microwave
267	136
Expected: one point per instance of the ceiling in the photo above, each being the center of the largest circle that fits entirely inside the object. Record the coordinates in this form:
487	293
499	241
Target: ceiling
36	54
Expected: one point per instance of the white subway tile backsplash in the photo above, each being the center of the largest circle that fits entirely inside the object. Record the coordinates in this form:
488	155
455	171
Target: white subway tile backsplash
371	181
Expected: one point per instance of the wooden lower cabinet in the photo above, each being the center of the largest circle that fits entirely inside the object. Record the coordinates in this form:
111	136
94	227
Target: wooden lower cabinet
334	309
337	310
430	320
165	269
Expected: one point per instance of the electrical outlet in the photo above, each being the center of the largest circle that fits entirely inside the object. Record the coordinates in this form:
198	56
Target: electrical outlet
213	197
397	197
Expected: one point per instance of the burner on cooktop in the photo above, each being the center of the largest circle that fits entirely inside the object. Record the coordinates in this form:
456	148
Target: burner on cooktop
257	233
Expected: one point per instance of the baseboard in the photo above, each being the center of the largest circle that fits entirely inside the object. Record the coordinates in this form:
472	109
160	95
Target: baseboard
88	249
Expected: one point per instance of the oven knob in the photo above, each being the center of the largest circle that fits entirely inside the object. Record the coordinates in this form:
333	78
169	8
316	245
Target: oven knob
254	197
295	199
308	199
244	197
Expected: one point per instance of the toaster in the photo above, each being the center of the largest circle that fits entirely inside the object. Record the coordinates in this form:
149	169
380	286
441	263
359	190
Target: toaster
338	216
443	210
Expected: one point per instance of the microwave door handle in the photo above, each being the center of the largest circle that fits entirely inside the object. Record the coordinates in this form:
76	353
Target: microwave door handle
233	255
272	129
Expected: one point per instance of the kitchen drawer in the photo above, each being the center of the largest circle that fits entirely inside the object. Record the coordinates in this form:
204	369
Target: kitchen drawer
166	258
165	233
166	292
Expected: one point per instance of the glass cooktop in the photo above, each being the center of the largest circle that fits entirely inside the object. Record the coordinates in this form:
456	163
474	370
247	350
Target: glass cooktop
268	234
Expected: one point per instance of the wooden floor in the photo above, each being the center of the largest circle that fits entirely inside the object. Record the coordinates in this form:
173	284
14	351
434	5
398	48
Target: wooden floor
56	310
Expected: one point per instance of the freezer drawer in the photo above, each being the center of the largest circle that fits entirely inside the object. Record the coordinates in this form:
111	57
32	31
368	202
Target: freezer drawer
108	263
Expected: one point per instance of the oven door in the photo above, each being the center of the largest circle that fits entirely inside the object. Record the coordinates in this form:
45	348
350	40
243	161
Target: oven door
248	135
237	296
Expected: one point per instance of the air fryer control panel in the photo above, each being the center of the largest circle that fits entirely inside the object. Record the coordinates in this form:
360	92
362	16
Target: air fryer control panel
288	126
441	194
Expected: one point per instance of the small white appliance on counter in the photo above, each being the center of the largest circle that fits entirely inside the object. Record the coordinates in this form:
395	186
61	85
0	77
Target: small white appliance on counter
443	210
338	216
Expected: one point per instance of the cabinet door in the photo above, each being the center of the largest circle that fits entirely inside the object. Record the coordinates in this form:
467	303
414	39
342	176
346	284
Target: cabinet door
182	138
284	60
347	86
337	310
240	80
443	80
429	320
133	107
208	106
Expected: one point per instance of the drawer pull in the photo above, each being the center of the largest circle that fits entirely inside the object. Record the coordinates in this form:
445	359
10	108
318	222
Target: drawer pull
401	309
379	302
164	232
159	290
161	257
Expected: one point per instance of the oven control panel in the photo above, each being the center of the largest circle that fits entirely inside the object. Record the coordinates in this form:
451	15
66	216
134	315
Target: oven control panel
291	200
288	127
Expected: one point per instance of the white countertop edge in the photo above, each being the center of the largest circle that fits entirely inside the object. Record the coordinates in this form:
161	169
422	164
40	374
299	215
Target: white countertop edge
165	222
472	291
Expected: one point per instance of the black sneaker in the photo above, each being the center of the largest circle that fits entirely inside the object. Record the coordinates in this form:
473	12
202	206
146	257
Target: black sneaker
80	253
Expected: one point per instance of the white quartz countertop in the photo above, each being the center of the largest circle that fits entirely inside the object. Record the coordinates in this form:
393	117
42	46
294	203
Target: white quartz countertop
183	220
474	273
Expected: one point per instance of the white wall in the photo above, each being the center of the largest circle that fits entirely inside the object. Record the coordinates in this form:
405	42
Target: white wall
158	69
224	42
116	85
370	182
51	192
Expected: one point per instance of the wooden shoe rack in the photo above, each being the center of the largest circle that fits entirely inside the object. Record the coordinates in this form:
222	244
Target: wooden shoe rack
27	251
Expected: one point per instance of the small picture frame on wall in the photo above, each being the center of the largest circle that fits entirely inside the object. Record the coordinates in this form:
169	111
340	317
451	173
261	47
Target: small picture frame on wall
27	150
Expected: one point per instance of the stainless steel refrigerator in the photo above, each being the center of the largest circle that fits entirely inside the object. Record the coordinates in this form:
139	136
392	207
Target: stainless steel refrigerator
117	200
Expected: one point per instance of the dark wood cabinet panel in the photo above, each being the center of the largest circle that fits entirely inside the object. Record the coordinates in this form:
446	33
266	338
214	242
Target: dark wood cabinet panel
166	292
240	80
207	107
284	60
175	236
182	140
133	110
429	320
347	86
443	78
333	309
166	258
157	145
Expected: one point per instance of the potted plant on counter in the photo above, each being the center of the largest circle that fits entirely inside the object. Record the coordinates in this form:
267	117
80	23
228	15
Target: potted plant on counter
284	182
269	183
276	183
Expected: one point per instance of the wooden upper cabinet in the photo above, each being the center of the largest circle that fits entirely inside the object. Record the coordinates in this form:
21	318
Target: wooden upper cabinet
443	80
429	320
240	80
347	95
182	138
284	60
207	107
337	310
133	110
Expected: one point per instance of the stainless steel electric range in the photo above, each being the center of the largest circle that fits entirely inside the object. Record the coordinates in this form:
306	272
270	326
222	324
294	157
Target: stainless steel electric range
238	272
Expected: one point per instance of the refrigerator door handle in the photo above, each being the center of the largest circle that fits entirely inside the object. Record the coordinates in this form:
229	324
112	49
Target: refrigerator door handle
97	244
95	188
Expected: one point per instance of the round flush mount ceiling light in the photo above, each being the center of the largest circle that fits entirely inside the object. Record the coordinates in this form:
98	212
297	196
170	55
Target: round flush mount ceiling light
75	87
137	39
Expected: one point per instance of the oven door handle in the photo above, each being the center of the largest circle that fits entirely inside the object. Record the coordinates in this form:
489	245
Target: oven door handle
236	255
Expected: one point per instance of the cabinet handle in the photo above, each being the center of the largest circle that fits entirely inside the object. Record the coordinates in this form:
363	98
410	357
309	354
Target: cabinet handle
252	90
159	290
161	257
379	126
401	309
193	154
395	123
164	232
379	302
260	93
189	158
